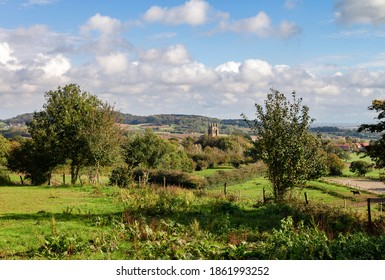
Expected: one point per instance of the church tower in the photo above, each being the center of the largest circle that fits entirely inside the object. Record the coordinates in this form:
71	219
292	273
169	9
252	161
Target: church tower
213	130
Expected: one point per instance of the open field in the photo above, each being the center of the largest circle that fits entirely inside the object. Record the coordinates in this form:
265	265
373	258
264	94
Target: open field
163	223
90	222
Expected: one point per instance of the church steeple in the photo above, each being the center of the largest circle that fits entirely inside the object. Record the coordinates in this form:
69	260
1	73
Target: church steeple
213	130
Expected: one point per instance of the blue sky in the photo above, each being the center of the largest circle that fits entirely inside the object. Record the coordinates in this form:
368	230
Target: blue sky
213	58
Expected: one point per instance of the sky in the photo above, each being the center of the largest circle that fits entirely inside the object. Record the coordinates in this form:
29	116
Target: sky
203	57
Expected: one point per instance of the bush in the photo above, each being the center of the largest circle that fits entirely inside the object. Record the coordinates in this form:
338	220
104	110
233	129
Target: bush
120	177
360	167
335	165
4	179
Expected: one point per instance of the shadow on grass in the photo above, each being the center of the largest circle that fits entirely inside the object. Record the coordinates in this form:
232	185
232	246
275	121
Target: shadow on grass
79	217
212	217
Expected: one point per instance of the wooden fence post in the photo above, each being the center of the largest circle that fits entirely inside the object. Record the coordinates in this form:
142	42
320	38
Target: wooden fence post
306	201
164	181
264	195
369	213
224	189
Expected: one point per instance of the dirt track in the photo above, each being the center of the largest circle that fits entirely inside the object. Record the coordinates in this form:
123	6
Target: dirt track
373	186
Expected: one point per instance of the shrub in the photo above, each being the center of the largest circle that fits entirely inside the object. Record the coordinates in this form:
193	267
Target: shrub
335	165
120	177
4	179
360	167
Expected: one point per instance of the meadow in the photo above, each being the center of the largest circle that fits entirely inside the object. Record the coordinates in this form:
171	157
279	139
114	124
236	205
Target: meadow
153	222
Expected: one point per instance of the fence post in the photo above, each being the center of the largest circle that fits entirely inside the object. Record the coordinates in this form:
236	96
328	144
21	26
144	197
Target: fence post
224	189
164	181
306	201
264	196
369	213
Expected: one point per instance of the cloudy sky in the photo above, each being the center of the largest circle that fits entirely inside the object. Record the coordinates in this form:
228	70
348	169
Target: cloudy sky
206	57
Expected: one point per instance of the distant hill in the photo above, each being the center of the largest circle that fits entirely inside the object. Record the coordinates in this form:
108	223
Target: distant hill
19	119
179	122
185	124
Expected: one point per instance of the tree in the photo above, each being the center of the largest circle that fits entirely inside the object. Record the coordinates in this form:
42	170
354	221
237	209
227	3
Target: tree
376	149
32	160
334	164
360	167
145	150
4	148
291	154
75	126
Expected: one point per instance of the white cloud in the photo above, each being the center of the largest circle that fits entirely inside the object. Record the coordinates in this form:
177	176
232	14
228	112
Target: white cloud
358	11
53	66
113	63
256	70
261	26
288	29
230	67
38	2
193	12
199	12
103	35
6	57
105	24
174	55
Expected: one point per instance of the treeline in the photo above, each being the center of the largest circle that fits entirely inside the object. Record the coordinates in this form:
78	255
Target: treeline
344	132
189	124
180	123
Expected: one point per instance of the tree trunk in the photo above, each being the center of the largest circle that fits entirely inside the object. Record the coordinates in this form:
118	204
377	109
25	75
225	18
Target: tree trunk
74	173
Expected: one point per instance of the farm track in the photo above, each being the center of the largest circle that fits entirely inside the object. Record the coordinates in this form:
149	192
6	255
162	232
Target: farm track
373	186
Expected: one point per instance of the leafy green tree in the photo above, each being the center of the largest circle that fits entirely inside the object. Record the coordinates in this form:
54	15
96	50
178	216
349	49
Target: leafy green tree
334	164
4	149
32	160
284	143
145	150
176	158
376	149
77	127
360	167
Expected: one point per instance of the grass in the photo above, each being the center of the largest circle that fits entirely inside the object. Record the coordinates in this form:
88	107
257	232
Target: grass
355	157
26	213
171	223
210	171
374	174
148	223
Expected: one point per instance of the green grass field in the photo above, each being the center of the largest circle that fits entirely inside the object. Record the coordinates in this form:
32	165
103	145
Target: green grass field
211	171
374	174
102	222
